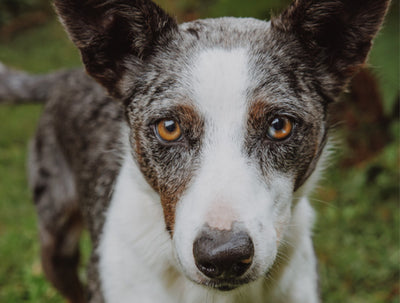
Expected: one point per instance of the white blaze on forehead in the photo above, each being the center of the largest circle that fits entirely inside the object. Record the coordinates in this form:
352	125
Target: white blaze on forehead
227	186
220	81
225	180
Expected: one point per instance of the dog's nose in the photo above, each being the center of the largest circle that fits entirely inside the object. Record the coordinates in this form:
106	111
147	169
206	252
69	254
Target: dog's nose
223	254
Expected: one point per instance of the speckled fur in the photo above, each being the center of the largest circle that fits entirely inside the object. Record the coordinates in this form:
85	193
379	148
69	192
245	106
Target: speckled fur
84	119
299	64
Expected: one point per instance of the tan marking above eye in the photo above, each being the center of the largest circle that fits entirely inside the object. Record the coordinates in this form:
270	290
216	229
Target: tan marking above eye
169	130
280	128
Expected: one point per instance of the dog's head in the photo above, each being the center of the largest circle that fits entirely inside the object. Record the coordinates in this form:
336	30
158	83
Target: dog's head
228	117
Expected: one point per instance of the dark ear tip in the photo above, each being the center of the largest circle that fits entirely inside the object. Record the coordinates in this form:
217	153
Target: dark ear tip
335	34
328	23
108	31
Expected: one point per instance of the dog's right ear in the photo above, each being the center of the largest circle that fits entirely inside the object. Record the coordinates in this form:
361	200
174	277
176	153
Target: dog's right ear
109	32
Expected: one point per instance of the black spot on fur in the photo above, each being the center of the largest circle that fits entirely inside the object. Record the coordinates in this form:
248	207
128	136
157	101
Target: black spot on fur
193	32
38	192
44	173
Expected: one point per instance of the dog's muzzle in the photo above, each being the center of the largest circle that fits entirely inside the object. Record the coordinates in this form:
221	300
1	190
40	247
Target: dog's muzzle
223	255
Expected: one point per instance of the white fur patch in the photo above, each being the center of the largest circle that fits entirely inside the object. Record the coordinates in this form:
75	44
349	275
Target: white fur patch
227	179
135	247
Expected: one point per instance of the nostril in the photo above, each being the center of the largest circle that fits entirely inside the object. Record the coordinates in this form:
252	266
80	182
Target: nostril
240	268
223	253
209	269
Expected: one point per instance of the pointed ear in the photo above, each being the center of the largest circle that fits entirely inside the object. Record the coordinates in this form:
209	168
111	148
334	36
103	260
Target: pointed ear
336	34
108	32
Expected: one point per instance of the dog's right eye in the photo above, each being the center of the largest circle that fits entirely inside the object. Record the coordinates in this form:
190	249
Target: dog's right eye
168	130
280	128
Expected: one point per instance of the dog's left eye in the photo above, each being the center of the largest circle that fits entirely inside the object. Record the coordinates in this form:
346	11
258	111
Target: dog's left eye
280	128
168	130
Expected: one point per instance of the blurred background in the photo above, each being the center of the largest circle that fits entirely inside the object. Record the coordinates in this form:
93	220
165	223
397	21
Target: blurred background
357	231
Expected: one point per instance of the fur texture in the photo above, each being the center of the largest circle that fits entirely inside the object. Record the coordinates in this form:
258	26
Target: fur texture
99	162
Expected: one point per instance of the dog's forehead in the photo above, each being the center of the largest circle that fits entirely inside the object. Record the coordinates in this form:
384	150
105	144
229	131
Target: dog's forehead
221	48
220	80
219	64
226	31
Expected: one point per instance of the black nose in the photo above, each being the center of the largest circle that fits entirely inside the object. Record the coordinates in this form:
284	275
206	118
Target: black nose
223	254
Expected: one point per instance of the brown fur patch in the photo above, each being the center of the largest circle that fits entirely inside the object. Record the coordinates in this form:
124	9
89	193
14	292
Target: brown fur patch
169	166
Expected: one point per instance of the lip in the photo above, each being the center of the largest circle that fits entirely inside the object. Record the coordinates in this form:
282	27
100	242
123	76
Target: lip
225	285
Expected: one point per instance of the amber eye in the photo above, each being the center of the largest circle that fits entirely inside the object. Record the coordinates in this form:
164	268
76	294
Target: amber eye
168	130
280	128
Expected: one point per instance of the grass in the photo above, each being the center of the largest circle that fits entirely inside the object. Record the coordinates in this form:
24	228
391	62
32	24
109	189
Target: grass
53	52
357	231
385	58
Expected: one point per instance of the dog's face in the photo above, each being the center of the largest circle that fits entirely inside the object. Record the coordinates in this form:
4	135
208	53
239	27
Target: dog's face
228	117
225	139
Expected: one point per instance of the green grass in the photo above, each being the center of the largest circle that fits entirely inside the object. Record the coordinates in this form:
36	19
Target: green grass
385	58
357	231
40	50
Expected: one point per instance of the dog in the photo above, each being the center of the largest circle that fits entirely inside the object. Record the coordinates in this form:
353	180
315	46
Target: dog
190	157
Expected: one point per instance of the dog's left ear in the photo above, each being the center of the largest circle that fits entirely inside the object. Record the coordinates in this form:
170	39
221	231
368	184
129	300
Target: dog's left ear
336	35
109	33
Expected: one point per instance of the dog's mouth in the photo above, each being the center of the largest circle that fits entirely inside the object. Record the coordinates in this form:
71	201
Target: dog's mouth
227	287
225	284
